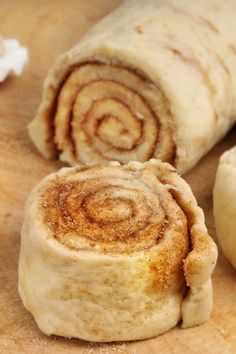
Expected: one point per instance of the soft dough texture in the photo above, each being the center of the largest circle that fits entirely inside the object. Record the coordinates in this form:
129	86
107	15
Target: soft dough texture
112	253
225	204
149	80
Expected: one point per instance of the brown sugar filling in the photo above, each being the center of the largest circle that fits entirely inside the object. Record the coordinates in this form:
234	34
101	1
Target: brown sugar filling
115	213
162	146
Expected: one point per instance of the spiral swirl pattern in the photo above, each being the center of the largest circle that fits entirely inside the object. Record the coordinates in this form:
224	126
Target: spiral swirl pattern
106	112
113	208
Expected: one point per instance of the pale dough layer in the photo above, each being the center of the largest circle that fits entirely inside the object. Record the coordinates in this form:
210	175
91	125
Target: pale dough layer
225	204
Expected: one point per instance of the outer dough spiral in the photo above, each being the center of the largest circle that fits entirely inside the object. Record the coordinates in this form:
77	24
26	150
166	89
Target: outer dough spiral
111	252
145	82
225	204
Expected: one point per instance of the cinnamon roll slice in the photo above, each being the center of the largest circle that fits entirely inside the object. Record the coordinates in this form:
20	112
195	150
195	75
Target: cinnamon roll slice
224	197
111	252
153	81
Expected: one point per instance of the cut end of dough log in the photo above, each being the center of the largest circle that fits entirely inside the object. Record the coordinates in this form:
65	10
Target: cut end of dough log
107	112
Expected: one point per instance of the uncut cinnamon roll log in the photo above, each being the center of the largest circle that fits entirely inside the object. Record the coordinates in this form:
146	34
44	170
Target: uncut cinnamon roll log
149	80
111	252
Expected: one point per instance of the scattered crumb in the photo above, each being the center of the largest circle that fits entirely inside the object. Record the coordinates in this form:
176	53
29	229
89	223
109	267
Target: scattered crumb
139	29
97	348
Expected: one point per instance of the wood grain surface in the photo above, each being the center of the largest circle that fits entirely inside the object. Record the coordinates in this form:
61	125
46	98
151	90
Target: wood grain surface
48	28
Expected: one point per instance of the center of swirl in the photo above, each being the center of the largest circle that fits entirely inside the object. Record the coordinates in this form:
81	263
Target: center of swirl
112	130
108	210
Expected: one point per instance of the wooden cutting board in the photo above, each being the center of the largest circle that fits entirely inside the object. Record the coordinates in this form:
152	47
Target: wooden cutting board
48	28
